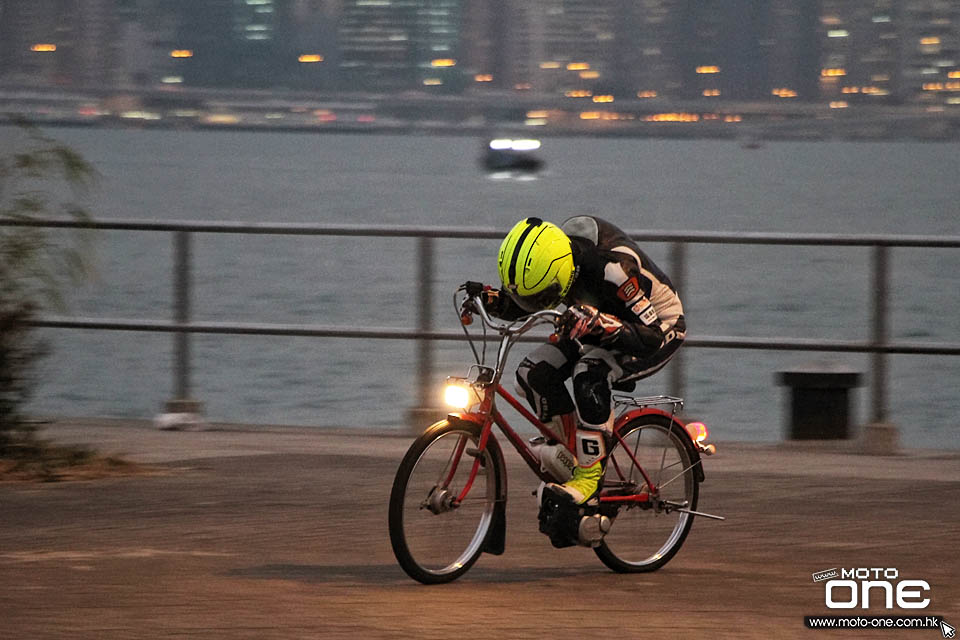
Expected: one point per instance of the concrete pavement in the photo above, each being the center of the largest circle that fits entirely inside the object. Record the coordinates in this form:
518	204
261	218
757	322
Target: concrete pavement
271	532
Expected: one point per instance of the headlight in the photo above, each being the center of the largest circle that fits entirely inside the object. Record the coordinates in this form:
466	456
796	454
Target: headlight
457	395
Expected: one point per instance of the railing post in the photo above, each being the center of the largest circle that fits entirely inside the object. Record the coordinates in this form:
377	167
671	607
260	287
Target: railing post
880	331
425	410
182	401
678	275
879	436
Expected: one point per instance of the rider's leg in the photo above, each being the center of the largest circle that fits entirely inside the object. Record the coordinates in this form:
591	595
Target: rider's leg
541	377
592	379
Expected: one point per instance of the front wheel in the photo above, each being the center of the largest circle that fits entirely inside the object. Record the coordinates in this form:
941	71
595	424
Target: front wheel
434	538
646	535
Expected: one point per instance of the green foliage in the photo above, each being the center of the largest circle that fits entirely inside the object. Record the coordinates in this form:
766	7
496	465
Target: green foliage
39	178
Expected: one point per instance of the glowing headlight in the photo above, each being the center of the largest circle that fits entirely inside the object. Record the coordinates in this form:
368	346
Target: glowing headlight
457	396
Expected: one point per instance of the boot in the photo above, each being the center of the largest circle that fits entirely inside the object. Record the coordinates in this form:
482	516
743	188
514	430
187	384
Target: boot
591	454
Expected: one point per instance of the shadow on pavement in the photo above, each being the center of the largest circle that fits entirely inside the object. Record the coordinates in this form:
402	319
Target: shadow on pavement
392	574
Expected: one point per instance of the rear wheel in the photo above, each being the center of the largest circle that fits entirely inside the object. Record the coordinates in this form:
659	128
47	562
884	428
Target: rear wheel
645	536
435	539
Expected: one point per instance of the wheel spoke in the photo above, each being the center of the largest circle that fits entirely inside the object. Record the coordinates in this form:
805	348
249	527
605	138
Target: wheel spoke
435	541
643	539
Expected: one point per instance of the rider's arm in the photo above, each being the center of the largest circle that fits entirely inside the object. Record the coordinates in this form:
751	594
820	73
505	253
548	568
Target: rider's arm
629	292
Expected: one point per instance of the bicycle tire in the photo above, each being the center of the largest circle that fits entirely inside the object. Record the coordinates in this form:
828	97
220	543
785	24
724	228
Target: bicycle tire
644	539
434	542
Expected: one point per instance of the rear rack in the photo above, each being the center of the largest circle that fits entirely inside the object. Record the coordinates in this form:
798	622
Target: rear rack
649	401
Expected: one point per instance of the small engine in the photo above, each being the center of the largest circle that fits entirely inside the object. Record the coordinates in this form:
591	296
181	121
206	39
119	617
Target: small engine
568	524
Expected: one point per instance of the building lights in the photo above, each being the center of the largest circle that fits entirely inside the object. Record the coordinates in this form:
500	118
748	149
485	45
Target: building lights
550	65
310	57
954	74
784	92
706	69
930	40
483	77
832	72
837	33
646	94
589	75
839	104
577	66
578	93
711	93
43	47
443	62
605	115
181	53
672	117
605	98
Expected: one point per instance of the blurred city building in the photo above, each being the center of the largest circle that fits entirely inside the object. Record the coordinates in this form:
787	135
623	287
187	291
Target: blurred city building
397	45
929	69
860	49
838	51
59	42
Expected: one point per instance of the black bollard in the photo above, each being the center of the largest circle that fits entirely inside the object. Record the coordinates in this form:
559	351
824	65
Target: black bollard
819	401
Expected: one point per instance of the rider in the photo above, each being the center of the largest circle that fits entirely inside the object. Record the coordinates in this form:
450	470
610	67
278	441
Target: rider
623	322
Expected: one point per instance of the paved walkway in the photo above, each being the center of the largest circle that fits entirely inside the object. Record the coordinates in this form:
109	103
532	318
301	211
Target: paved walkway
268	532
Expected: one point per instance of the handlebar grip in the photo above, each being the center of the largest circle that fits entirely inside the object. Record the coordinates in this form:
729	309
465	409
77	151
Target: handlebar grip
473	288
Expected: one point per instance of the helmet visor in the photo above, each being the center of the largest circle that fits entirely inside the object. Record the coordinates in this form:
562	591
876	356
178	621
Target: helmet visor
546	299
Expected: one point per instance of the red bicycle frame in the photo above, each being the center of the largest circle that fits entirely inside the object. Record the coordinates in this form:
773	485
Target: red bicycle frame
486	416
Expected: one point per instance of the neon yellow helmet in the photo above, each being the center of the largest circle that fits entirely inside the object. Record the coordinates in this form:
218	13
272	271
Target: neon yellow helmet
536	264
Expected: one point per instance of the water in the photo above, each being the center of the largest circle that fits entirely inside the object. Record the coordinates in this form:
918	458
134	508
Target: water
801	292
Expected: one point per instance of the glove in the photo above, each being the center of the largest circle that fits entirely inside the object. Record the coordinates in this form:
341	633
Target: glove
494	301
578	321
585	323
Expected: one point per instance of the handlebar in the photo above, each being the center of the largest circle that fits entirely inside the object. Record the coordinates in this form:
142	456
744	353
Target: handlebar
473	303
509	330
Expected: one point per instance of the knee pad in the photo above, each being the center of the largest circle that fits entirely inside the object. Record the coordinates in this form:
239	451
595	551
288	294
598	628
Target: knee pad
542	383
591	388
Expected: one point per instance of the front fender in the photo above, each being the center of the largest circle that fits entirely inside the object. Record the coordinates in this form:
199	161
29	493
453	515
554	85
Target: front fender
496	540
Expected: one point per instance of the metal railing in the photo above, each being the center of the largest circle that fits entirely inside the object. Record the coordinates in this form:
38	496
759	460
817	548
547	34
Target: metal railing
878	344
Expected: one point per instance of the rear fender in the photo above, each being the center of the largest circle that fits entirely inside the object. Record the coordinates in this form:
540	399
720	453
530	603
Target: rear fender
680	428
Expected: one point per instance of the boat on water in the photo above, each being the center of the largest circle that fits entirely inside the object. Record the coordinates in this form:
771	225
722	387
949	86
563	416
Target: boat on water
511	154
751	142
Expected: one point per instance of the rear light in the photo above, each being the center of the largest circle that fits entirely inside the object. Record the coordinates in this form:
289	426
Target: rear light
698	431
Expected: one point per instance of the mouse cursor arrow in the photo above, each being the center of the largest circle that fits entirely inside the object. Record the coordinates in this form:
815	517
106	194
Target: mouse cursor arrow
947	630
